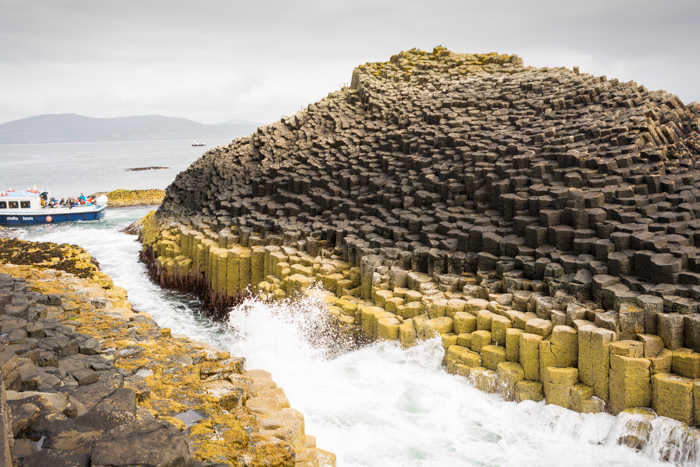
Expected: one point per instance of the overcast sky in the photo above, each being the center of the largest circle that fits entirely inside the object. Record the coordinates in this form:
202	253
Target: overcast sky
218	60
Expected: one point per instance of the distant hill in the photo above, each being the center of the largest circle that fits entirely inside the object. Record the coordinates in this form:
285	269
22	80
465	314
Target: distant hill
72	127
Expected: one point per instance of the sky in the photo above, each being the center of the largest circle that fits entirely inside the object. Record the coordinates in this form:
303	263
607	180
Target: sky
219	60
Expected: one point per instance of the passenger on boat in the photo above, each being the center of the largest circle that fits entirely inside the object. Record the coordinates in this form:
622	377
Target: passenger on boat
63	202
81	198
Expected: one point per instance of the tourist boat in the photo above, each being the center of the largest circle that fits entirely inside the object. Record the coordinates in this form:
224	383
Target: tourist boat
31	207
194	143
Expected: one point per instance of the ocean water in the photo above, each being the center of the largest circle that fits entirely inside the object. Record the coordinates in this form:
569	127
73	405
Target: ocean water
377	406
68	169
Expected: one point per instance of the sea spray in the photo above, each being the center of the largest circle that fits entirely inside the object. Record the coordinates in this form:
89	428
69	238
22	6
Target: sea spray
302	320
383	405
659	438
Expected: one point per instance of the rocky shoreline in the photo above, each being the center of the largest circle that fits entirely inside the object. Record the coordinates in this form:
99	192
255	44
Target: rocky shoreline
88	381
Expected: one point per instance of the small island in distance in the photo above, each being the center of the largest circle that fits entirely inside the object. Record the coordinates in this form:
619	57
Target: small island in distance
139	169
56	128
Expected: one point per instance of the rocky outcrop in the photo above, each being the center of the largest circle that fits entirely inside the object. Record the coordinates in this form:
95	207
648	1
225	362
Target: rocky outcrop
88	381
541	222
47	255
124	198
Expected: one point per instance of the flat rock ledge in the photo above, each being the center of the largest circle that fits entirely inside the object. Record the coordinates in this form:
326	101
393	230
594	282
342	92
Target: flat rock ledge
127	198
542	222
86	381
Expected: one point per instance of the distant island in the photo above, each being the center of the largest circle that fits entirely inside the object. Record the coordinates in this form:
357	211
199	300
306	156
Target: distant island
57	128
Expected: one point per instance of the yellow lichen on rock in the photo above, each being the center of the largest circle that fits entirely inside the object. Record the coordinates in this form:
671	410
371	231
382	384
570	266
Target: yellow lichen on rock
500	344
673	397
123	198
183	375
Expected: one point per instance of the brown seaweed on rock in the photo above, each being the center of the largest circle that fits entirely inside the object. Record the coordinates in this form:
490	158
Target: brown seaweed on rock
215	305
48	255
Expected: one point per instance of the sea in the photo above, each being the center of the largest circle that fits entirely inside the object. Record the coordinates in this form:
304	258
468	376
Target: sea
379	406
68	169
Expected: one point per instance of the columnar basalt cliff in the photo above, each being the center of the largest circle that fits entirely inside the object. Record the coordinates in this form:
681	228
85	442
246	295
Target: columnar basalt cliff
543	222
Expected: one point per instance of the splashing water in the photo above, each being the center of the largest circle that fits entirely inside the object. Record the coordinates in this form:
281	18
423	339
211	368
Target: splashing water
117	254
665	438
304	320
386	406
379	405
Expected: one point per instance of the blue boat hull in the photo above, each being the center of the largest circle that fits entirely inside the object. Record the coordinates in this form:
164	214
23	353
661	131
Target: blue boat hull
34	219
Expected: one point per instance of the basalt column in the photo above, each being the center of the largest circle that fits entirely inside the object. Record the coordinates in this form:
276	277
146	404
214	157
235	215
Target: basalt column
541	221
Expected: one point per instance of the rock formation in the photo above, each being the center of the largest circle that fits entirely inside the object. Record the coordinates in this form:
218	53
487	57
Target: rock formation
124	198
85	380
542	222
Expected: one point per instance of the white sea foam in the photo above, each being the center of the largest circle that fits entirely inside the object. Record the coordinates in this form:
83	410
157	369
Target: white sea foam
377	406
117	254
385	406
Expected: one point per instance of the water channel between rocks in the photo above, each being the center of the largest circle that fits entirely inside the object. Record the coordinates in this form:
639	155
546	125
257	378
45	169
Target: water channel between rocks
377	406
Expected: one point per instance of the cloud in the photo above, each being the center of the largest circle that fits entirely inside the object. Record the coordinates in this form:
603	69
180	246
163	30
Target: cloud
215	60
